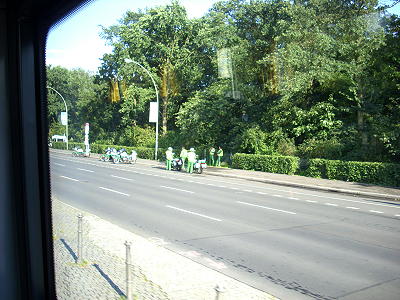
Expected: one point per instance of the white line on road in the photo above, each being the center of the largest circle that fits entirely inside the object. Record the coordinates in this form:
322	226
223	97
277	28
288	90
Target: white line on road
397	215
121	177
352	207
110	190
266	207
85	170
331	204
376	211
171	188
61	165
249	191
278	196
311	201
69	178
294	198
193	213
261	193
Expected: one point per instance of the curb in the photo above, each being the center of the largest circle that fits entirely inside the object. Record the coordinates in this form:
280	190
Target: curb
315	188
376	196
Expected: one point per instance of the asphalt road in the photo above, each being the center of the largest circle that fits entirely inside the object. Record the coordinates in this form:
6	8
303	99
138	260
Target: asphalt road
292	243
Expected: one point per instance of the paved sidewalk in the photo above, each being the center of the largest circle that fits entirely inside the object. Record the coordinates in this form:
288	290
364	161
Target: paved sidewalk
158	273
351	188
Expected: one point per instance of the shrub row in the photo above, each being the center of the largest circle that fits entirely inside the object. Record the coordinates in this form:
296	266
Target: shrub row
354	171
266	163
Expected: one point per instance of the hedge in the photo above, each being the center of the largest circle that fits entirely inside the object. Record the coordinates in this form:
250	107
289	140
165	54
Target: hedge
355	171
266	163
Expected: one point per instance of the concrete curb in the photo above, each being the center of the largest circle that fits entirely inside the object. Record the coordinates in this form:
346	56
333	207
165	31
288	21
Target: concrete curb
315	187
376	196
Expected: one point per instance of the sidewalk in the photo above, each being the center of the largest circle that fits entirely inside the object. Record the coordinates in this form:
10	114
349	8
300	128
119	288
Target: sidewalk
350	188
157	273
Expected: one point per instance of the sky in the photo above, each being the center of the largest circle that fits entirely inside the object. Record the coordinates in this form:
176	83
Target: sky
75	42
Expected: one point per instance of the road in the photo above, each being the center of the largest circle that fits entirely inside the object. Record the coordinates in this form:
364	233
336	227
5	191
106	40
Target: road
289	242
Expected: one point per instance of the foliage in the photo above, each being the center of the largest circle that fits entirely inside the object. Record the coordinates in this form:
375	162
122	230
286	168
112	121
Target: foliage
366	172
328	149
266	163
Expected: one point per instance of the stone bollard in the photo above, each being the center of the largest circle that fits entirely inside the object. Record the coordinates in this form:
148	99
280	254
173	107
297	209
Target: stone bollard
128	274
219	291
79	254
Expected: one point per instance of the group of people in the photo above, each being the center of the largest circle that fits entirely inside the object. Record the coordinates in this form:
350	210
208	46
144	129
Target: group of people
190	158
185	155
211	156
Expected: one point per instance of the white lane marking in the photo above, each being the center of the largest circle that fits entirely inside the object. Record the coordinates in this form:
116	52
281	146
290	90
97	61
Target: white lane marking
85	170
210	184
61	165
69	178
221	186
331	204
293	192
171	188
277	196
266	207
119	177
249	191
352	207
376	211
397	215
114	191
261	193
311	201
194	213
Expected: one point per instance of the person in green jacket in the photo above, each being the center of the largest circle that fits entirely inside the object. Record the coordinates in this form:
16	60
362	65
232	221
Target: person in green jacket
191	160
211	156
169	156
220	153
183	156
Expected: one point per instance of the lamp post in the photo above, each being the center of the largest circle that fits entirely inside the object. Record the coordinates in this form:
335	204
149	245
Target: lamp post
66	111
128	60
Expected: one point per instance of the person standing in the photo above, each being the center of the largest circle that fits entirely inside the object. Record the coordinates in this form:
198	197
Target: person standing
183	156
211	156
191	160
220	153
169	156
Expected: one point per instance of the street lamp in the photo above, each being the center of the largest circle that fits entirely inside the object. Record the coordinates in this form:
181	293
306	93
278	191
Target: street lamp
66	111
128	60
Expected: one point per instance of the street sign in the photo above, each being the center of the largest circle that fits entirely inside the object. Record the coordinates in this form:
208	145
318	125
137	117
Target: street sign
153	113
64	118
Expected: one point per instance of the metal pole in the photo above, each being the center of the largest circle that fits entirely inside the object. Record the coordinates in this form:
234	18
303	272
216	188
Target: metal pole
219	290
80	258
128	60
66	111
128	275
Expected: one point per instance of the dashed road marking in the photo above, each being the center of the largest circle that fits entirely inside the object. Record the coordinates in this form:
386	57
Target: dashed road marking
171	188
331	204
278	196
294	198
261	193
352	207
311	201
69	178
85	170
114	191
61	165
266	207
193	213
249	191
119	177
376	211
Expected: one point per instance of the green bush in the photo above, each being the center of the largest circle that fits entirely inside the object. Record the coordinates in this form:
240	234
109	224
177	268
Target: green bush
327	149
355	171
266	163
